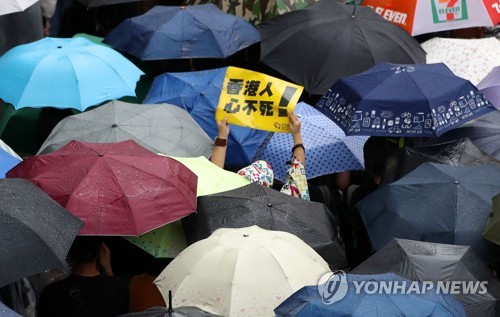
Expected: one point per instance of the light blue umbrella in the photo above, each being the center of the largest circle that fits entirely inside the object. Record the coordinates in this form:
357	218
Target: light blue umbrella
7	161
7	312
65	73
328	150
198	93
169	32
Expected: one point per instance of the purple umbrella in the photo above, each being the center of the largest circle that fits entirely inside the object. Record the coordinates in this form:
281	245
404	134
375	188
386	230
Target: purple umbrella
490	86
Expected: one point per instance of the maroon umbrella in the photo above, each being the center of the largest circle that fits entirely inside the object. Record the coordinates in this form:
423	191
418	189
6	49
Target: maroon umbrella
115	188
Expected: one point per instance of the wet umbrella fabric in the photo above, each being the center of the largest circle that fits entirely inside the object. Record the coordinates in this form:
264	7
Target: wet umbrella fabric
115	188
304	45
7	162
402	100
308	302
490	86
198	93
36	231
456	198
7	312
492	230
269	209
160	128
168	32
81	73
322	139
424	261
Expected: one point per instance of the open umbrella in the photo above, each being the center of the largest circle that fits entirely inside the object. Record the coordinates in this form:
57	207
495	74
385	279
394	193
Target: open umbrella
490	86
7	312
7	162
241	272
360	301
198	93
326	41
322	139
168	32
116	188
432	262
471	59
160	128
11	6
402	100
77	73
269	209
7	149
100	3
491	232
435	203
36	231
420	16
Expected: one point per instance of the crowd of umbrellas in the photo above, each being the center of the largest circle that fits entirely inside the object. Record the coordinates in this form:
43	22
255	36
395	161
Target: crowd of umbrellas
141	170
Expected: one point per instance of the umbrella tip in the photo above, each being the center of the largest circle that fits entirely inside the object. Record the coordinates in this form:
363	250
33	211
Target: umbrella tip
202	93
59	46
114	125
100	155
457	182
182	7
170	301
246	235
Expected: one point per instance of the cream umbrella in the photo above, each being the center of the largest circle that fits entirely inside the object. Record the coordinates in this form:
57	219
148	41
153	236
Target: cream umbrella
241	272
11	6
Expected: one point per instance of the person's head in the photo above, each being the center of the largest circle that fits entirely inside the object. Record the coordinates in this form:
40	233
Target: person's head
84	249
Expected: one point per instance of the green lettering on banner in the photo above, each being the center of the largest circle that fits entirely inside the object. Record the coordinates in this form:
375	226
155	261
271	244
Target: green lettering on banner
442	10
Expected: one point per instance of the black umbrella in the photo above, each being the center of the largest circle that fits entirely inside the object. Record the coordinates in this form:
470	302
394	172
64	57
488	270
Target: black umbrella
424	261
461	152
100	3
435	203
267	208
36	232
326	41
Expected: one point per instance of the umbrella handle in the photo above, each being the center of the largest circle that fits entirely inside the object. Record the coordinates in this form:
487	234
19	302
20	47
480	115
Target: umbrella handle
170	310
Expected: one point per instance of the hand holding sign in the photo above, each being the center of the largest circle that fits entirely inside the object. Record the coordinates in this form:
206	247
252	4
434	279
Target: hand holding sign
256	100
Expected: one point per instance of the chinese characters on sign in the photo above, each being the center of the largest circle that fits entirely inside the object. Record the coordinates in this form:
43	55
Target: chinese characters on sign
256	100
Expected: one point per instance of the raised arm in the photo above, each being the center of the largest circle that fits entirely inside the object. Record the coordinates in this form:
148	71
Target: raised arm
219	152
298	148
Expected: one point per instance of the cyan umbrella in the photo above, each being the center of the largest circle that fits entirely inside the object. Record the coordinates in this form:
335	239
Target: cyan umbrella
435	203
490	86
7	162
198	93
65	73
403	100
308	302
328	150
169	32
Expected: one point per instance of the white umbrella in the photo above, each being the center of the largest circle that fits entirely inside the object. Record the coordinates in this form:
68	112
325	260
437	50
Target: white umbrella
11	6
471	59
241	272
7	149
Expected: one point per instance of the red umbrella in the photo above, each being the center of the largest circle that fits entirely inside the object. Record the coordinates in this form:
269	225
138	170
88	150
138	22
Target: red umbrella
115	188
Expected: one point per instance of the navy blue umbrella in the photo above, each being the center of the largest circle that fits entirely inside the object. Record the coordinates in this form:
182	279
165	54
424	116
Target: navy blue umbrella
435	203
198	93
328	149
168	32
403	100
7	162
315	301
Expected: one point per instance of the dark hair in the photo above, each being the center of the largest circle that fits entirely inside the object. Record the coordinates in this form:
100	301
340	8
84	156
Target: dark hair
85	249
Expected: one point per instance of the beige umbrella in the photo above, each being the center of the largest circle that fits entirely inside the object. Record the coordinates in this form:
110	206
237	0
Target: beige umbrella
241	272
11	6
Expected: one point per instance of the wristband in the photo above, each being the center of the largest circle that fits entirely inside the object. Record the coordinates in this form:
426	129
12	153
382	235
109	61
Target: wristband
220	142
297	146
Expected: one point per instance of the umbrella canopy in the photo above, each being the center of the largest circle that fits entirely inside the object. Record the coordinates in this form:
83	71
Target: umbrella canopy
7	162
77	73
7	312
424	261
456	198
185	311
322	140
483	132
267	208
402	100
116	188
198	93
241	272
168	32
100	3
419	17
160	128
308	302
326	41
461	152
36	231
492	230
490	86
11	6
7	149
471	59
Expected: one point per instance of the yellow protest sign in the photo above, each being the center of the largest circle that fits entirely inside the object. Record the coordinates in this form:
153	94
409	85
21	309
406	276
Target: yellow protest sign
256	100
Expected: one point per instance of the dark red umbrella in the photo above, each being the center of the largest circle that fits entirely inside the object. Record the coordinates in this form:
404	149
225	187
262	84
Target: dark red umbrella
115	188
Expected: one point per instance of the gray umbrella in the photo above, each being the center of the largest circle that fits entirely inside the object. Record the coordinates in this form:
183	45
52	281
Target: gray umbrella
160	128
36	232
425	261
267	208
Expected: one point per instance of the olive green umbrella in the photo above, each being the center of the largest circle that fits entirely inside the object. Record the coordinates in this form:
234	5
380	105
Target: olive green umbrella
492	231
